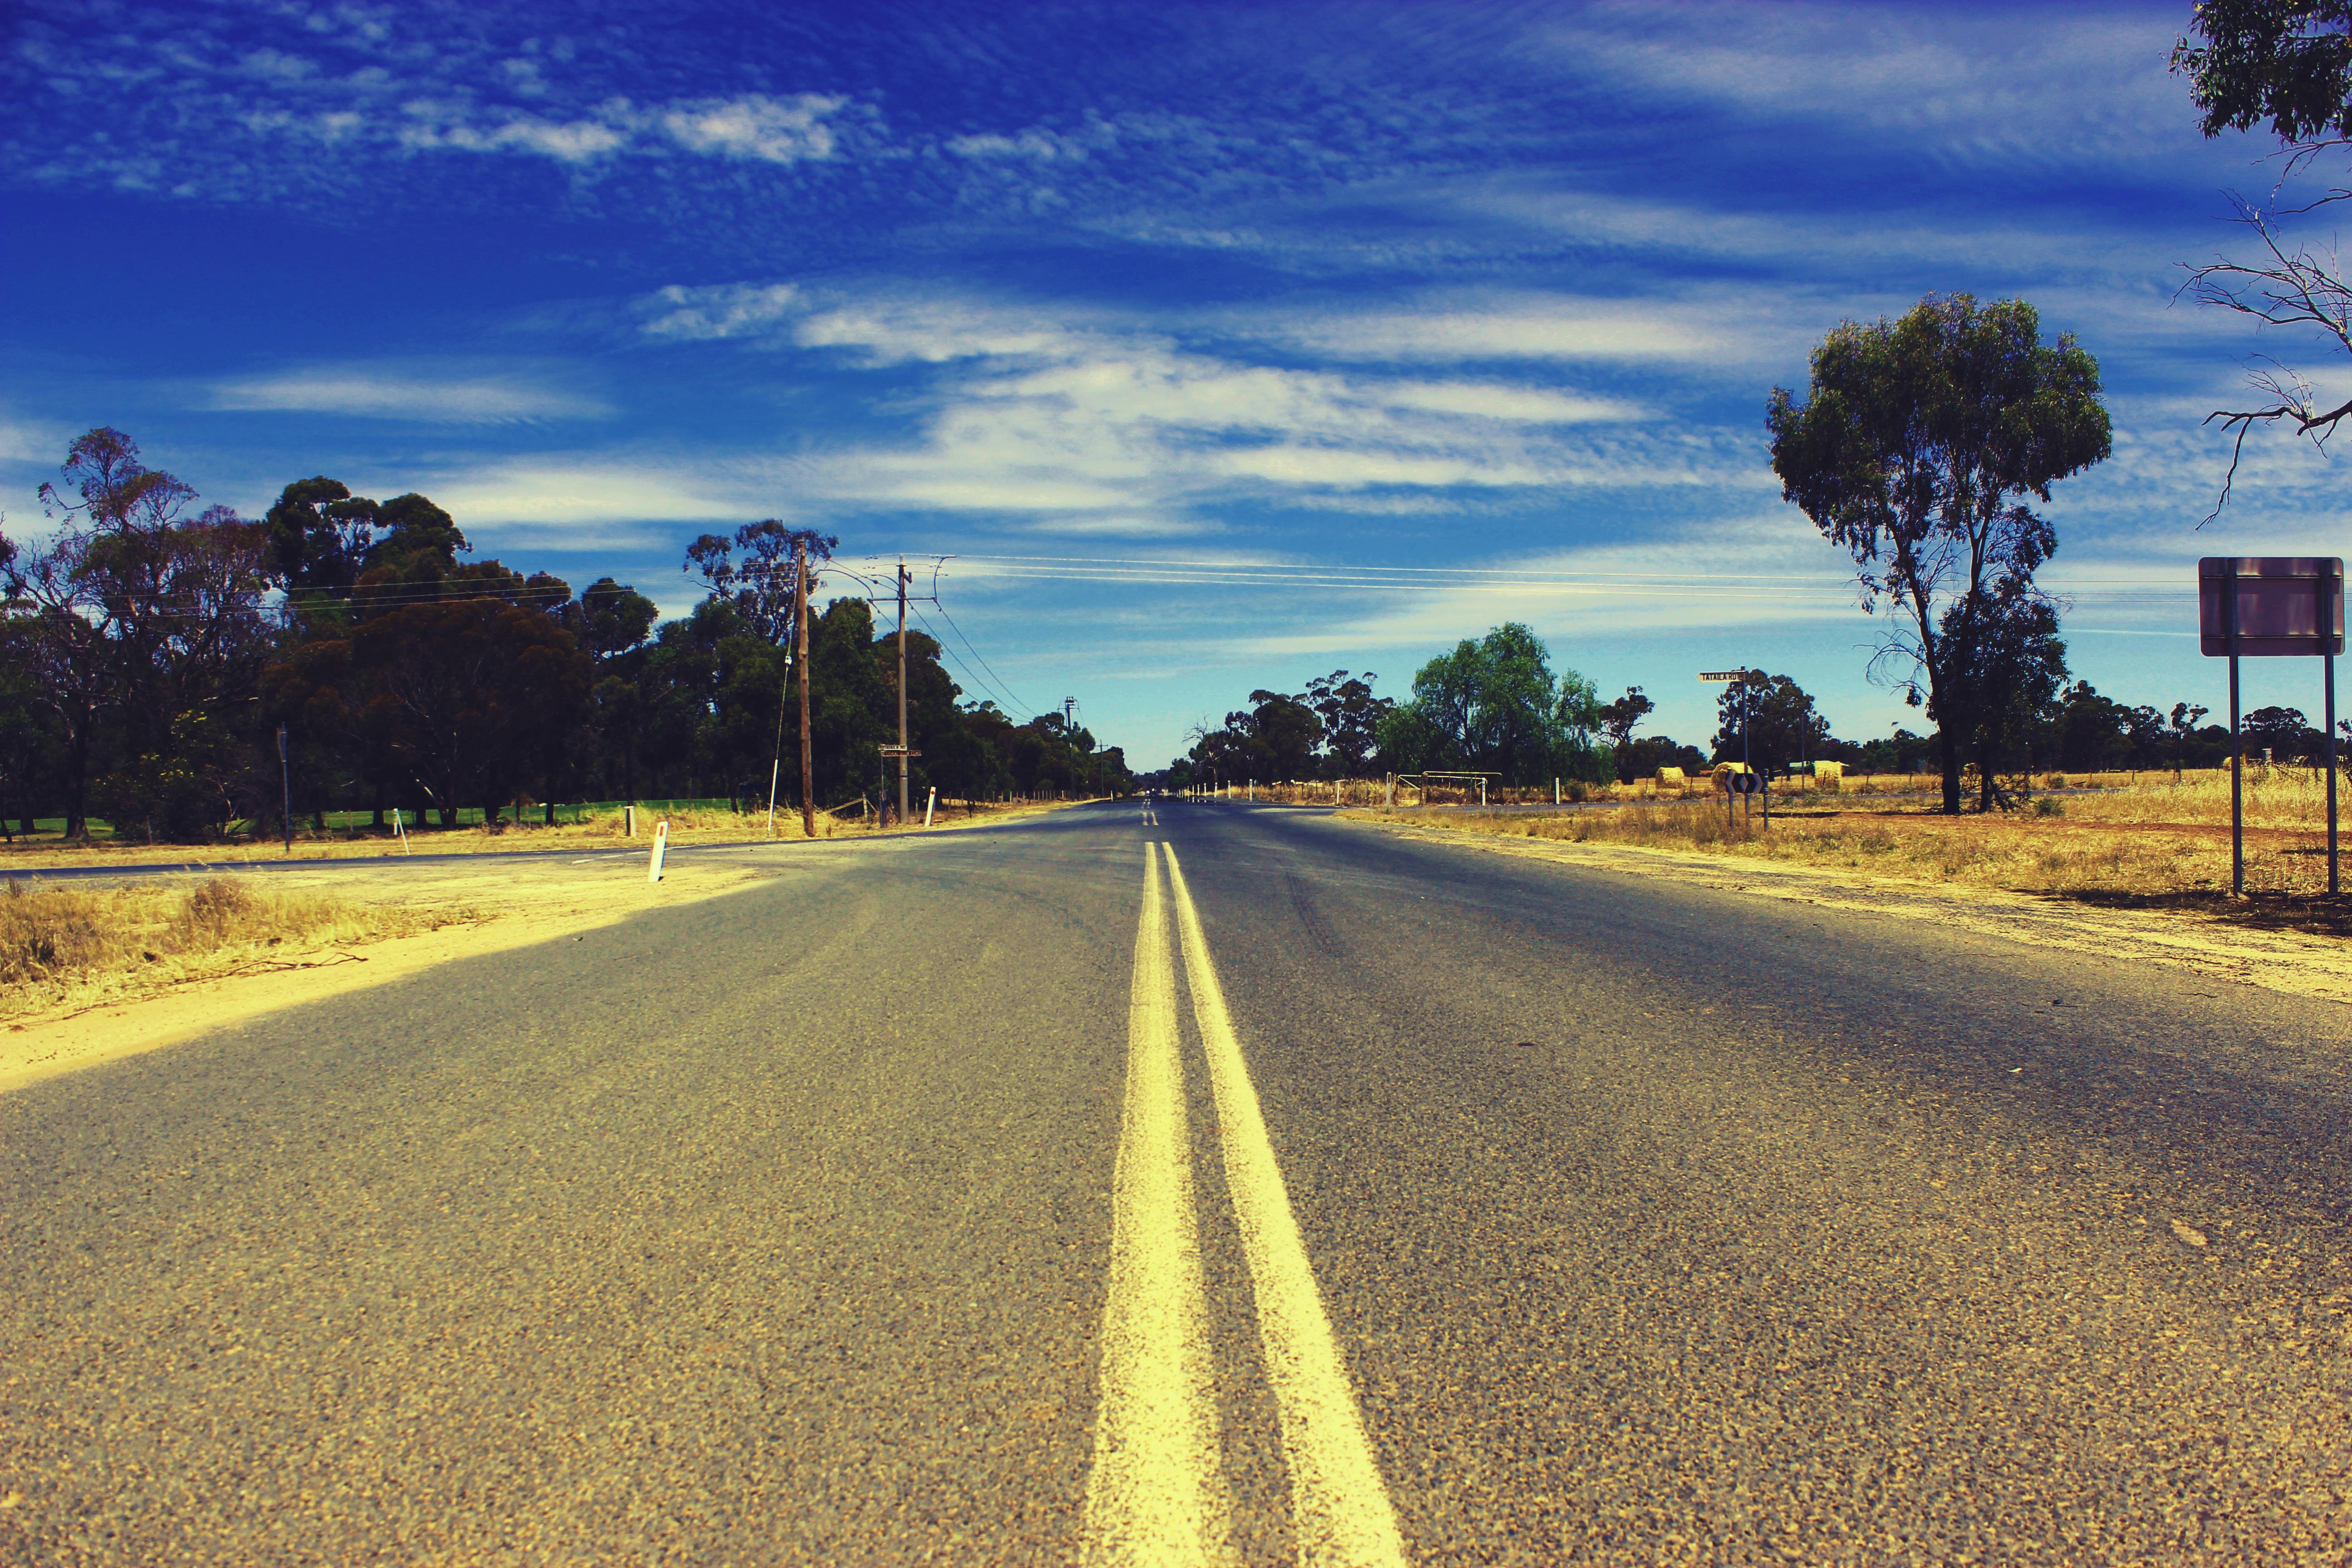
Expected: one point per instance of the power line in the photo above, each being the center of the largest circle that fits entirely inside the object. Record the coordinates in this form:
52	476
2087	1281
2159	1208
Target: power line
987	689
1019	706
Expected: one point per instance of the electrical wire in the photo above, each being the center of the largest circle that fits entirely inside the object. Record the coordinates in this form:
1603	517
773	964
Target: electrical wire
940	605
983	686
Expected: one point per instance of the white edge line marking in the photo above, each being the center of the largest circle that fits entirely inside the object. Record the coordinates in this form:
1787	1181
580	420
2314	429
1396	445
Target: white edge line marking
1339	1506
1156	1492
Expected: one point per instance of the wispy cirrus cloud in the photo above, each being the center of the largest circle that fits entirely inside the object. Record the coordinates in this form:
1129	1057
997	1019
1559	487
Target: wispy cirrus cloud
1081	416
718	311
2031	84
403	393
1502	326
754	126
563	490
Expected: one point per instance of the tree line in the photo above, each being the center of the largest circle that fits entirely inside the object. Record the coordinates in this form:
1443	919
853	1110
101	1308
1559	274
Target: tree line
151	653
1492	705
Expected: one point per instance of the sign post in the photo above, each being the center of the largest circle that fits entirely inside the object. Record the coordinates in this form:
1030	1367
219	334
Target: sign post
1719	677
2272	606
902	753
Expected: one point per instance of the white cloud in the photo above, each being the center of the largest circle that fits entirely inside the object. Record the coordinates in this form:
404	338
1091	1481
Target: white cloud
753	127
1486	400
1769	569
395	393
2035	84
276	65
32	441
1128	527
1547	327
560	492
772	129
1341	469
718	310
1032	144
936	331
437	125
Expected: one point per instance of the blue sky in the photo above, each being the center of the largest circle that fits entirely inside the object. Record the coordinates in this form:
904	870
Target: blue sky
1220	345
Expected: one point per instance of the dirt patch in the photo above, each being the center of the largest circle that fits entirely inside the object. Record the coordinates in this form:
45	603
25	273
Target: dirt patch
473	910
2161	928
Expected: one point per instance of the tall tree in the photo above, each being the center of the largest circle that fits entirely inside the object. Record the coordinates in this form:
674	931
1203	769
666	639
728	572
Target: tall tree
2014	668
1350	716
156	629
763	584
318	536
1917	447
469	691
1492	705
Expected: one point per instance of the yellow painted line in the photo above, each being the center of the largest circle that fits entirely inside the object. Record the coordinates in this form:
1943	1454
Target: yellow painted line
1156	1494
1339	1506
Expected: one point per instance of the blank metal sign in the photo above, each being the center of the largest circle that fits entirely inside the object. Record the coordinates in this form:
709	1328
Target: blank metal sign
2287	606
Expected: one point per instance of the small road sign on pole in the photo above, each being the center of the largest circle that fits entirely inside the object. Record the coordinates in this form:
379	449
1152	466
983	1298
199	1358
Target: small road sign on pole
2272	606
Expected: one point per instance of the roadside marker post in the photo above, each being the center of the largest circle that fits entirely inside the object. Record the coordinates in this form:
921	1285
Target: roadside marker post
2272	606
661	848
930	806
285	778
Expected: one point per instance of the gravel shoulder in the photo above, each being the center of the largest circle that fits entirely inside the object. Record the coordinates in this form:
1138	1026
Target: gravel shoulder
2287	961
519	904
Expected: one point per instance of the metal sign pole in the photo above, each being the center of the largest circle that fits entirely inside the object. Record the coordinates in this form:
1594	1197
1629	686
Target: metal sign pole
286	781
2331	596
2237	747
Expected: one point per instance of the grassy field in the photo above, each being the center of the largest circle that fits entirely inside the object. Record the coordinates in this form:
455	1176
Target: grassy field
2155	845
65	946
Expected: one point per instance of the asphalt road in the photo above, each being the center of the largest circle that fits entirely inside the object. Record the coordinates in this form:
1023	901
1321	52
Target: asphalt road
1033	1194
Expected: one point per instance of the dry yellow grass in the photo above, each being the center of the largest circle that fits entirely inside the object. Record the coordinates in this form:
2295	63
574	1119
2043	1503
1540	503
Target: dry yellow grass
67	947
2157	845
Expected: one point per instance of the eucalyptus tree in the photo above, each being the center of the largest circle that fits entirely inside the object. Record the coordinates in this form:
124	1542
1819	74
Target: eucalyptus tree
1915	451
1492	705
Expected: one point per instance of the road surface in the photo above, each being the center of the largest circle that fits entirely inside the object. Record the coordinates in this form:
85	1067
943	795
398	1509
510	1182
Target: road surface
1205	1183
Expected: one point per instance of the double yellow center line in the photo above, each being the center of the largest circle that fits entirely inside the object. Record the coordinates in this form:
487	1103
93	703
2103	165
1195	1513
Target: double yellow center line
1157	1492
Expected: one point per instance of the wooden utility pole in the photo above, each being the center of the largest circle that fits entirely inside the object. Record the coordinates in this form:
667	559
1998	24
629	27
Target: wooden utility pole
902	691
808	769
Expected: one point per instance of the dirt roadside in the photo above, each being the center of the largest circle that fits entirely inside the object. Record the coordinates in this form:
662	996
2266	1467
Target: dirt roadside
2289	962
517	903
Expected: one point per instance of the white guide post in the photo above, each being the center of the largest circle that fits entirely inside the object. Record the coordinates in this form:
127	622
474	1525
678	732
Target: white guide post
930	806
661	847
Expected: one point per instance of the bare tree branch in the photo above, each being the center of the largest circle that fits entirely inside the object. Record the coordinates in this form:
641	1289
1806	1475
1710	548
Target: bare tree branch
2295	288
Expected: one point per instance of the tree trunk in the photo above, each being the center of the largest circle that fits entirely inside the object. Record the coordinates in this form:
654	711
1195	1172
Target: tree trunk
1949	745
77	793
